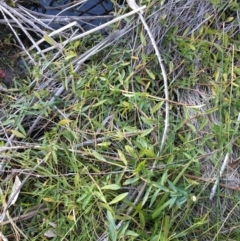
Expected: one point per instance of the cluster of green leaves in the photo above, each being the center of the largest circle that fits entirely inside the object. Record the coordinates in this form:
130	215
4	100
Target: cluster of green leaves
102	149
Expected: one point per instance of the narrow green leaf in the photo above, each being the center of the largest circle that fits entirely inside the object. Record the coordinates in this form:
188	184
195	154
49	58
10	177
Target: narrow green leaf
154	197
160	187
158	211
166	226
111	226
146	196
172	186
164	178
111	187
122	230
119	198
99	103
131	233
142	220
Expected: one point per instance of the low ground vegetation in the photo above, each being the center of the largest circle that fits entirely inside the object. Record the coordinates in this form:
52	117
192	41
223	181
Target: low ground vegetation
83	150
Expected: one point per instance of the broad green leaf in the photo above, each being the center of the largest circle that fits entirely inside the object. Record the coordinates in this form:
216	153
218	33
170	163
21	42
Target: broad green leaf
131	181
100	196
225	39
185	32
130	150
192	36
18	134
171	67
86	202
143	40
50	41
225	77
219	48
147	152
192	47
77	180
150	74
64	122
77	44
21	129
105	144
48	199
70	55
146	132
125	64
229	19
157	107
119	198
99	156
111	187
107	207
122	157
149	121
236	70
192	127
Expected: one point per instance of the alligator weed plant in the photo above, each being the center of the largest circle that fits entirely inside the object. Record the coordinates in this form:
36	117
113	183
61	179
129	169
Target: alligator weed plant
81	134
